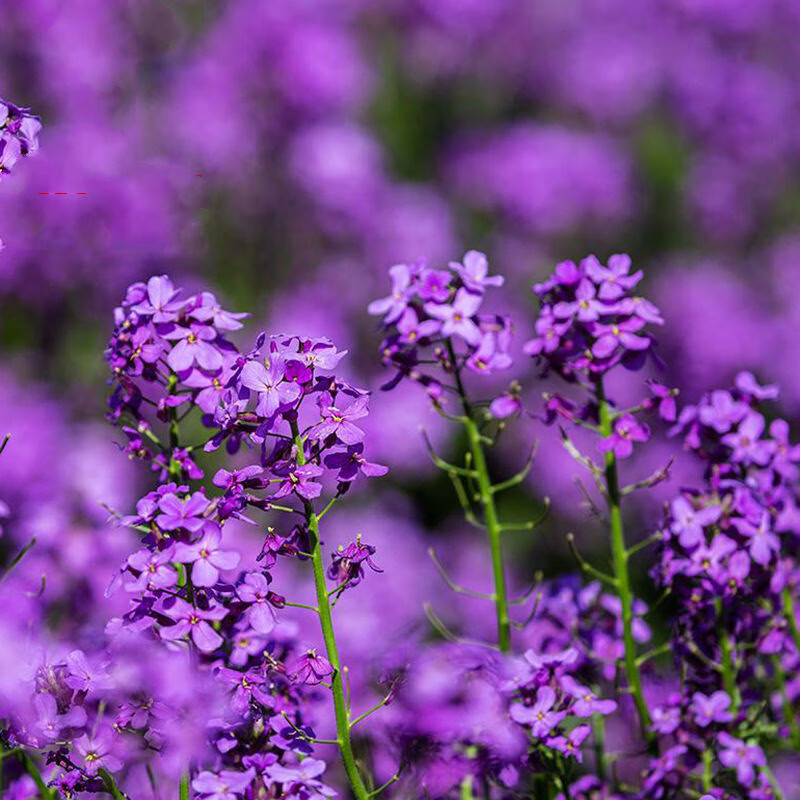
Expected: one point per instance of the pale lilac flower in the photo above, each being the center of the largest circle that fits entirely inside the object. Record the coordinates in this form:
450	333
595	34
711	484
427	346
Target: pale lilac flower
474	272
744	758
457	318
224	785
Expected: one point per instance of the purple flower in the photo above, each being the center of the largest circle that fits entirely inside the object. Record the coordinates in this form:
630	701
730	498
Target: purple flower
570	744
209	310
351	461
177	513
621	334
539	717
338	421
721	412
394	304
299	479
255	592
763	541
457	318
268	382
194	621
206	557
748	385
311	669
585	306
412	330
688	523
154	568
347	567
711	709
194	346
474	272
614	279
664	399
505	405
161	301
300	780
741	757
224	785
49	722
586	701
95	752
627	430
746	441
434	284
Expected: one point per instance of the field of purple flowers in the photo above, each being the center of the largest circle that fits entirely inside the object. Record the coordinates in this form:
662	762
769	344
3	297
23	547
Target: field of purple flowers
400	400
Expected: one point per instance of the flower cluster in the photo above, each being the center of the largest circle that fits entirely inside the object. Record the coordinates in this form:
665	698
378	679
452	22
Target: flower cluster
433	316
298	423
19	131
591	320
728	555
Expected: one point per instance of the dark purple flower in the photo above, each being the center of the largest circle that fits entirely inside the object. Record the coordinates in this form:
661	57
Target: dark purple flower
299	479
347	565
351	461
311	669
627	430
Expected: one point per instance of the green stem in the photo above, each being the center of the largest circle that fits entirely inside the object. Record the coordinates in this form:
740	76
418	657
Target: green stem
788	711
500	595
728	669
110	784
341	712
791	616
184	787
493	526
620	556
33	771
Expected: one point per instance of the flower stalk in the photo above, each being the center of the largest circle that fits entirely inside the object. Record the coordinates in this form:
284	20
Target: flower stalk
323	610
620	556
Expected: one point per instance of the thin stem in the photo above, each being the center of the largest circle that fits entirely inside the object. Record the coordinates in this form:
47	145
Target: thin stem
110	784
33	771
620	556
791	617
184	787
728	668
493	527
788	711
329	636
